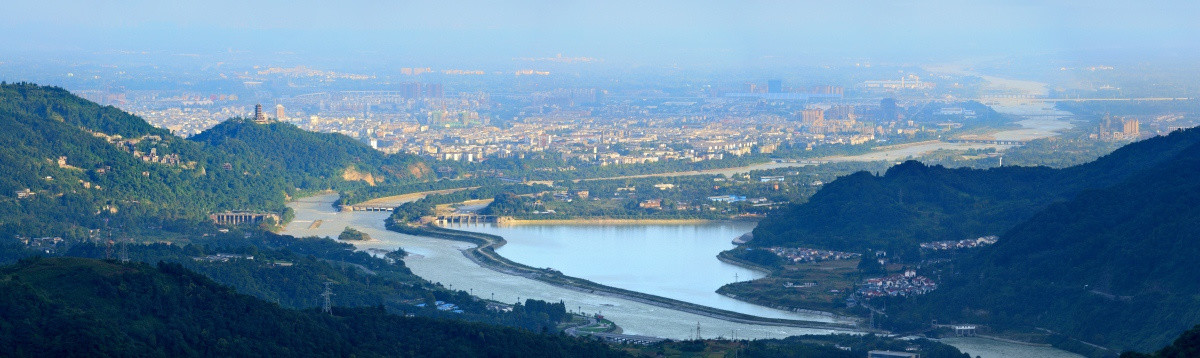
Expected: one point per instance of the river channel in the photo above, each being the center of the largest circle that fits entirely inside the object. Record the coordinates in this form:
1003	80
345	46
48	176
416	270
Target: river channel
442	261
674	261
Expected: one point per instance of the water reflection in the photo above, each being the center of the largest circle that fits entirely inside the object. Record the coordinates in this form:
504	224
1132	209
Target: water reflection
674	261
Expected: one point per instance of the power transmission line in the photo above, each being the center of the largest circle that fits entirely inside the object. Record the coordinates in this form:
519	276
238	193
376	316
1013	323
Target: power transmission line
328	306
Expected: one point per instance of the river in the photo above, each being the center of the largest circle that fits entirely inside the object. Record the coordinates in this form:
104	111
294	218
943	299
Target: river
987	348
673	261
442	261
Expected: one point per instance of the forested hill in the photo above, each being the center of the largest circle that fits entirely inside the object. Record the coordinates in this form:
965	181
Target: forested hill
314	160
1113	266
1186	346
913	203
26	99
78	307
71	165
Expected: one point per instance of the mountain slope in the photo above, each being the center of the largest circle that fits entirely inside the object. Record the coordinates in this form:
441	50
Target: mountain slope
71	307
914	203
1113	266
1102	252
312	160
1187	345
72	166
84	165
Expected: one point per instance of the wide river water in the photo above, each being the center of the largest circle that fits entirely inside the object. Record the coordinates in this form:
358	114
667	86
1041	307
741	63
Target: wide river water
442	261
628	255
673	261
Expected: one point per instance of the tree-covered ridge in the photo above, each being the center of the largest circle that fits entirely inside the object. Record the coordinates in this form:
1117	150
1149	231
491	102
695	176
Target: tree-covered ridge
73	307
1187	345
913	203
71	165
313	160
1113	266
27	99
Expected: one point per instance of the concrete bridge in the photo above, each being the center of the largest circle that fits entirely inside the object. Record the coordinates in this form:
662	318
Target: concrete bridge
989	141
626	338
960	330
468	218
367	208
240	217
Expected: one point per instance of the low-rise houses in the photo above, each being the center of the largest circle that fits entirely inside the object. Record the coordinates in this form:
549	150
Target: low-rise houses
221	257
445	306
801	255
959	244
24	193
727	198
651	204
898	285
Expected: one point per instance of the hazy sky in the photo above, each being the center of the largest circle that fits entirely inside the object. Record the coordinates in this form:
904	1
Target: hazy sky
639	32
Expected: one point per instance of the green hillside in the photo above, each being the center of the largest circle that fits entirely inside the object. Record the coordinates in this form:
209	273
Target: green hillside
1114	266
72	166
85	167
913	203
1187	345
1101	253
77	307
313	160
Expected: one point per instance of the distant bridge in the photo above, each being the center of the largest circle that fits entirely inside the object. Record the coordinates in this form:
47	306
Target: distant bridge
240	217
468	218
961	330
367	208
1043	98
801	161
989	141
625	338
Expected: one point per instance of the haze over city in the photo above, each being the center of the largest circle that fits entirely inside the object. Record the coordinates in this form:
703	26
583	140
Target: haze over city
691	34
862	178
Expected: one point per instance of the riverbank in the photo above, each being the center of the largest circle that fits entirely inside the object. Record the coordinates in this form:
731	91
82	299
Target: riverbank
396	200
611	221
484	254
725	257
1013	341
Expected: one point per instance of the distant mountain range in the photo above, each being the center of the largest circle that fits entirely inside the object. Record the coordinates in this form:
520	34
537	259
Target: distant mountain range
1102	252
